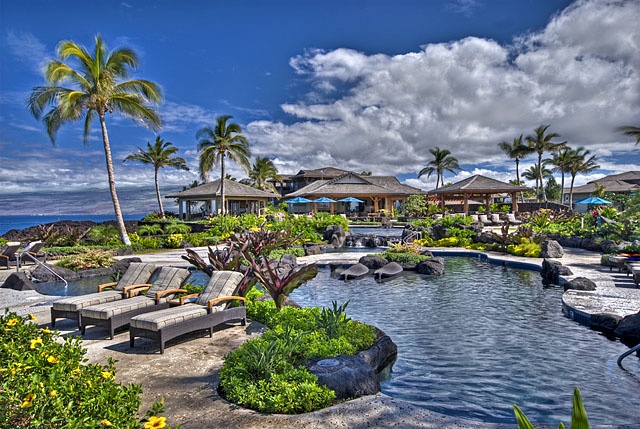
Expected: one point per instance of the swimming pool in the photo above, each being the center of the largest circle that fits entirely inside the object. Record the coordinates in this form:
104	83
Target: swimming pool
484	337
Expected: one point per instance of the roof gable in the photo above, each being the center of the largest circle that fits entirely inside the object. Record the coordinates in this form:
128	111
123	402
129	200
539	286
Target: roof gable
232	189
479	183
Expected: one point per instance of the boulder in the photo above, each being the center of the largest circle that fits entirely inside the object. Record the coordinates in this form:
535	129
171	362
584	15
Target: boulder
373	262
18	281
335	235
289	259
580	283
575	242
591	244
431	266
381	354
628	330
609	246
551	249
551	271
349	376
312	250
439	232
426	252
605	323
43	275
485	237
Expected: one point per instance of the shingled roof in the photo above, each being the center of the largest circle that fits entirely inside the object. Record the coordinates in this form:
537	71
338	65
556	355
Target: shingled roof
232	189
352	184
479	184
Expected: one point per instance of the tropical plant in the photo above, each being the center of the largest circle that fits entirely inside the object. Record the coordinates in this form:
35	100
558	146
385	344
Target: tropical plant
442	161
87	260
631	131
98	89
263	170
540	142
579	418
215	144
176	228
516	151
159	155
152	229
580	163
552	189
104	234
561	161
532	173
599	191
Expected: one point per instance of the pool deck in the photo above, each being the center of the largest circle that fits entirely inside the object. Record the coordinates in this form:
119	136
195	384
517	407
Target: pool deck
186	375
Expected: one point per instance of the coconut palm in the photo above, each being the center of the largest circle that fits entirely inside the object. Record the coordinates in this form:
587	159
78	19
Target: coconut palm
214	145
532	173
442	161
159	155
97	87
631	131
263	170
561	162
541	143
580	163
516	151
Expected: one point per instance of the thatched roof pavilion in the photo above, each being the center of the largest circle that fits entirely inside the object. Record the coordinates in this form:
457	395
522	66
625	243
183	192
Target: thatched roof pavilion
479	187
239	198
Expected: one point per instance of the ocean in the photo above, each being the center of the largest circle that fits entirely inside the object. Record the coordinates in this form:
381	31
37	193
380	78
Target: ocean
10	222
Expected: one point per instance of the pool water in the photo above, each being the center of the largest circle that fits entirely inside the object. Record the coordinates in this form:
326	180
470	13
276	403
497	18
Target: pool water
484	337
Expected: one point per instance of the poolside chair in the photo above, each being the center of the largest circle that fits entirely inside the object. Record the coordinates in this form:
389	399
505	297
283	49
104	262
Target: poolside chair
115	314
136	275
474	218
31	253
210	309
7	252
511	218
484	219
495	219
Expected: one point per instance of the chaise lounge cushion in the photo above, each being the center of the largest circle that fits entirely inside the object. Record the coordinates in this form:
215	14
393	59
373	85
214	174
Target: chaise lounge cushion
157	320
224	284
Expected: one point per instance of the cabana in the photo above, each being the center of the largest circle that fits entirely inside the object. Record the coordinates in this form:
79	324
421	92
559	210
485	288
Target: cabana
478	187
238	198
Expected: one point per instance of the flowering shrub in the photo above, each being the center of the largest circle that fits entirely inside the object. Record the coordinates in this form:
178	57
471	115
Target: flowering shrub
46	383
87	260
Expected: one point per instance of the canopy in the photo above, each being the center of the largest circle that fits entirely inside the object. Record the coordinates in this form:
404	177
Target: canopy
594	200
299	200
350	200
324	200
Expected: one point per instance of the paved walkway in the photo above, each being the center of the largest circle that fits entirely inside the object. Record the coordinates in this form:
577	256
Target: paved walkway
186	375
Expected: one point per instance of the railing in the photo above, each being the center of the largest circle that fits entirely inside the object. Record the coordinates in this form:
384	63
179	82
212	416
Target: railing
34	259
627	353
409	238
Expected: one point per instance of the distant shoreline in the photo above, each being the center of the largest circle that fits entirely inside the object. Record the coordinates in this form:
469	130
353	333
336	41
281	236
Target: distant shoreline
21	222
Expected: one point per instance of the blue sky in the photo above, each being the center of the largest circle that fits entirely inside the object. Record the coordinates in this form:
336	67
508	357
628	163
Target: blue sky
360	85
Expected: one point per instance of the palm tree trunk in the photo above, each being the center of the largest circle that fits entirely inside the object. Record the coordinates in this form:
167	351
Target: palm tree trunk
518	179
571	193
562	189
112	182
158	193
544	194
222	208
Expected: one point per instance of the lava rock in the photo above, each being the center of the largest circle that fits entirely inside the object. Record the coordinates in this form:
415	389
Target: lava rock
609	246
551	249
605	323
312	250
574	242
373	262
580	283
551	271
348	376
18	281
431	266
592	244
381	354
628	330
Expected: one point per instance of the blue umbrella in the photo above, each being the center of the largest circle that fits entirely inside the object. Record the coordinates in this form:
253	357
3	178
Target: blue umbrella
594	201
350	200
324	200
298	200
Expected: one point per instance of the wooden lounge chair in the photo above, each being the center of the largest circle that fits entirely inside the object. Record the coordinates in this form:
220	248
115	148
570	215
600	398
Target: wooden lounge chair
136	275
7	252
210	309
31	253
115	314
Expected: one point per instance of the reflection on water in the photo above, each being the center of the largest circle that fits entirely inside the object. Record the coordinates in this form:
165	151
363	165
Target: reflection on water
484	337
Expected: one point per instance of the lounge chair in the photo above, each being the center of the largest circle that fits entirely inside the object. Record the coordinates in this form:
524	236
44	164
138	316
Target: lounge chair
115	314
511	218
474	218
31	253
136	275
210	309
495	219
484	219
7	252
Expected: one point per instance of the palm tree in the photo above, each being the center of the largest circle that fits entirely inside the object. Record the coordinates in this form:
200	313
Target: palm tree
216	144
517	151
631	131
264	169
441	162
98	87
159	155
541	143
561	162
532	173
580	164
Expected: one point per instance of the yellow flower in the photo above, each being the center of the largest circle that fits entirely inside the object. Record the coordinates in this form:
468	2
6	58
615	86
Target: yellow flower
254	228
28	400
41	384
36	342
156	422
89	383
12	322
32	317
46	330
53	393
53	359
106	422
107	375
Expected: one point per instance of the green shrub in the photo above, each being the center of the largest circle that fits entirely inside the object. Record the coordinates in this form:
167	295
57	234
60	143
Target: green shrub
45	383
525	248
176	228
174	241
278	253
145	242
106	234
88	260
404	258
153	229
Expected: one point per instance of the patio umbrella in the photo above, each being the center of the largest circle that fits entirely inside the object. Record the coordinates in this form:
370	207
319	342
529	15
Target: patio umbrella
594	201
298	200
324	200
350	200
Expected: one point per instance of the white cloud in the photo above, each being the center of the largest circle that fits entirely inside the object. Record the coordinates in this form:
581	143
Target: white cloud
463	7
27	49
382	113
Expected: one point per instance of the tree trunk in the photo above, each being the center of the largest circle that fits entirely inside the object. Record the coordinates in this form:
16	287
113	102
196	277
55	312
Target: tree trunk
518	179
112	182
562	189
222	208
571	193
158	193
544	194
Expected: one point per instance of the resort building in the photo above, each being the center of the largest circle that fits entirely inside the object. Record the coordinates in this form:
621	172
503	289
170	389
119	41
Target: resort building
623	183
293	182
239	199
